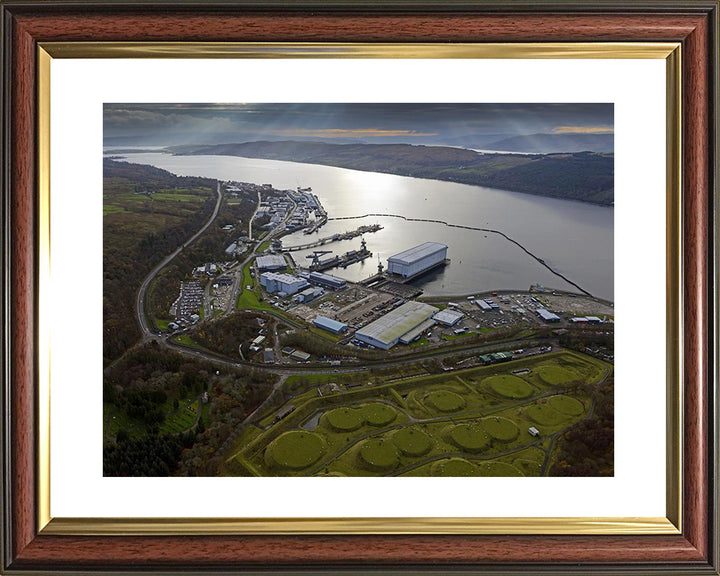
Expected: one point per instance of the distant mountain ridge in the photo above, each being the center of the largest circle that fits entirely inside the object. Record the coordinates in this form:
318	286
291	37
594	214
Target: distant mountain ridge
583	176
553	143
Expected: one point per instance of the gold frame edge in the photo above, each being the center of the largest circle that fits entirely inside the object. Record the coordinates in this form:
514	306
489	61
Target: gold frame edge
283	526
44	353
530	50
356	526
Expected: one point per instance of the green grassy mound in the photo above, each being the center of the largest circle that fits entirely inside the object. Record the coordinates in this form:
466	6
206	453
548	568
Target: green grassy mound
497	469
412	442
470	437
445	401
567	405
454	467
528	467
378	414
509	386
345	419
546	414
295	450
556	375
379	454
500	428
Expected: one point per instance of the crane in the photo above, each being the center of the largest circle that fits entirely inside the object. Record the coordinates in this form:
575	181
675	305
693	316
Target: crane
316	256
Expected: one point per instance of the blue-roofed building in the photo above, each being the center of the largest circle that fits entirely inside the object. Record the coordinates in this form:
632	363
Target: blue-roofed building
327	281
547	315
329	324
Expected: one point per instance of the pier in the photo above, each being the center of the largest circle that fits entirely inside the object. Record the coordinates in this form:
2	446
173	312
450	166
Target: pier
342	261
335	238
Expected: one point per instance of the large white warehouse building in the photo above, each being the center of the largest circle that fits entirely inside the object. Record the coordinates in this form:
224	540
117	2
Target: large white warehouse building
275	282
389	329
417	259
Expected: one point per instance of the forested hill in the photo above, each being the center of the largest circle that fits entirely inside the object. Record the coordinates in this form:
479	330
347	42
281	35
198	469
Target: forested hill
585	176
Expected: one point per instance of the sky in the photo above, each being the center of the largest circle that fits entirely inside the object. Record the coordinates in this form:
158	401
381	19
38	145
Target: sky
452	124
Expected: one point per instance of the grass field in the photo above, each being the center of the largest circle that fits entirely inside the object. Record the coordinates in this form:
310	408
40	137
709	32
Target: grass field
473	422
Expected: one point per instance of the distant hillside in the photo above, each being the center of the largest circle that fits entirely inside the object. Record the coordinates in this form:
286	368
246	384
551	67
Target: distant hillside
586	176
552	143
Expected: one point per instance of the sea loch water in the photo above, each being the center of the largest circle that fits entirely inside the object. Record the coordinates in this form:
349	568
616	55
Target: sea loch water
573	238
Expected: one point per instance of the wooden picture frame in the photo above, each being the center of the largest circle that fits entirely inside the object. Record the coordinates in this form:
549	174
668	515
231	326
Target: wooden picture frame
31	545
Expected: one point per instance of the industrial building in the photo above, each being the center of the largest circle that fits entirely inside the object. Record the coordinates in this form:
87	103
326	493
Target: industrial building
586	320
417	260
496	357
416	332
327	281
448	317
270	262
300	355
308	295
547	315
387	330
287	283
329	324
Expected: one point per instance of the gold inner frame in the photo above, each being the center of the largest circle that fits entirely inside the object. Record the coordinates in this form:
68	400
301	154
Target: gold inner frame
671	524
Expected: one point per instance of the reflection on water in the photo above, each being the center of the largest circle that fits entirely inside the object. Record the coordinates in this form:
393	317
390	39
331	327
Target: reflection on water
574	238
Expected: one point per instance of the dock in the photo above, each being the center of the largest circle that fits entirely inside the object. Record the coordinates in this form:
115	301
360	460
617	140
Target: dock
342	261
335	238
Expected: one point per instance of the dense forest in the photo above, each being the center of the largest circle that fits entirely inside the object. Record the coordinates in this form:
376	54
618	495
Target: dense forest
226	335
584	176
146	384
587	448
147	213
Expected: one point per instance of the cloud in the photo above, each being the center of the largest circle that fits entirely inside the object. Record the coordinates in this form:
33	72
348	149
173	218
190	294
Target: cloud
347	133
583	130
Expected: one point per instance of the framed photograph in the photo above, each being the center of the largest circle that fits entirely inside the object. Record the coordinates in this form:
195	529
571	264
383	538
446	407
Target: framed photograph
328	288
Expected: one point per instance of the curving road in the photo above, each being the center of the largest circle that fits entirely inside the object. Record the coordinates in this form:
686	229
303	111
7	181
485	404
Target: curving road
147	333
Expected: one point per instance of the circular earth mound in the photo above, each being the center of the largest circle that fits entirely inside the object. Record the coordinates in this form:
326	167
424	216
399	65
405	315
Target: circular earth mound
445	401
509	386
546	414
528	467
454	467
556	375
470	437
345	419
412	442
379	454
378	414
294	450
497	469
567	405
500	428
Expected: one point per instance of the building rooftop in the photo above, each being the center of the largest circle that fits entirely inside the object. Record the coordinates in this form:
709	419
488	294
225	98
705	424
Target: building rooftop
325	322
415	332
321	276
547	315
394	324
418	252
448	316
270	261
281	277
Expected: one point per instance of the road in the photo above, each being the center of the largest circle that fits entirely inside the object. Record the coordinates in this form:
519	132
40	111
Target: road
237	286
147	333
253	216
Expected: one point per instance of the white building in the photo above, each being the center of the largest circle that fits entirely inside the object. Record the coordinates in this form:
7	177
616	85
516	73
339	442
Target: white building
417	259
287	283
389	329
449	317
271	262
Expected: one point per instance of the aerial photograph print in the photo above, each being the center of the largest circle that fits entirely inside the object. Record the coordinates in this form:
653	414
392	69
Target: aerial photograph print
358	289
